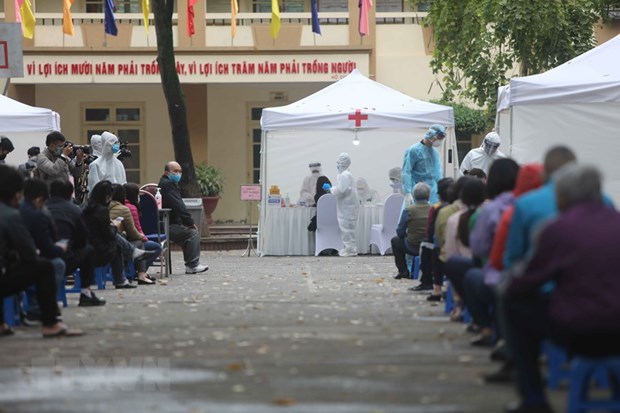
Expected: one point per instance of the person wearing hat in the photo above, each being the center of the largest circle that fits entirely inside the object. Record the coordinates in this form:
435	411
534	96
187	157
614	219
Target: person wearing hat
483	157
421	163
308	187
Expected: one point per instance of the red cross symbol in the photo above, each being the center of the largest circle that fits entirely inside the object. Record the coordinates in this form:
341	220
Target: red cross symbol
358	118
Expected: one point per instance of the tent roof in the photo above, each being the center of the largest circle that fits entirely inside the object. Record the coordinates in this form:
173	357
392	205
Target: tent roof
19	117
588	78
335	107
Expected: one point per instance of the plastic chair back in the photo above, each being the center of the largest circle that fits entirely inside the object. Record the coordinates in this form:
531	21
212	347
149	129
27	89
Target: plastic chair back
150	215
327	229
150	188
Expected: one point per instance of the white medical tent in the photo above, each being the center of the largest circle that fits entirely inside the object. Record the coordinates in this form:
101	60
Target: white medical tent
25	126
321	126
576	104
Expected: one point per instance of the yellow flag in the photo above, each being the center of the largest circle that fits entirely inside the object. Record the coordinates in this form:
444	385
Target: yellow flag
145	12
28	20
275	18
67	20
234	9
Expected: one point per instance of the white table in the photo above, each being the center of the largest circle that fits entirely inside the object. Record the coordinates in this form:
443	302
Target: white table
286	232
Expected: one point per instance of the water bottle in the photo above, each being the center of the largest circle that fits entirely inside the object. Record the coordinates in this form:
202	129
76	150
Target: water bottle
158	199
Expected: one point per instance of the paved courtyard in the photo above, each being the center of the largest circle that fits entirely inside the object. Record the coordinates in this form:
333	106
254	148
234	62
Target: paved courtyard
271	334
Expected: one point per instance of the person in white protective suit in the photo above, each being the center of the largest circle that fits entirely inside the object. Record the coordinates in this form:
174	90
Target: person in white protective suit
421	163
347	205
394	175
483	157
308	187
96	145
107	167
365	194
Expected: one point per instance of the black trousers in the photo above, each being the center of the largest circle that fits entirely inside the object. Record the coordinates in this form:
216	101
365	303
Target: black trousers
40	274
84	259
400	251
426	266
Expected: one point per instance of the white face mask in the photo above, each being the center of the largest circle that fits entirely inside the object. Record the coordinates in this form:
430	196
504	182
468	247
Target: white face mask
437	143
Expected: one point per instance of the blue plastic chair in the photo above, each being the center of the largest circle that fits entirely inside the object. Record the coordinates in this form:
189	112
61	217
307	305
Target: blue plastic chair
413	262
583	371
559	368
11	311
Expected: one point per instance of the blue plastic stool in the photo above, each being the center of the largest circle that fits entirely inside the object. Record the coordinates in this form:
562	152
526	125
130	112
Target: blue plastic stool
61	294
583	370
77	283
11	311
102	274
559	368
467	318
449	300
130	272
413	263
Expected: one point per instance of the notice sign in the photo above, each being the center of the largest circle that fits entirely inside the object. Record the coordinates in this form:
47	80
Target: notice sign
11	59
250	192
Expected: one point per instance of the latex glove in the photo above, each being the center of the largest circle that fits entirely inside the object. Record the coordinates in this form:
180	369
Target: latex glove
408	200
326	187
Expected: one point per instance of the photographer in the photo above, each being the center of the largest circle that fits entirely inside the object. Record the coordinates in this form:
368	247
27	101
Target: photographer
107	167
55	162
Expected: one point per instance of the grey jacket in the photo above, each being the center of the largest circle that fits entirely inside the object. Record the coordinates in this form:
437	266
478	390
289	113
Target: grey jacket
51	167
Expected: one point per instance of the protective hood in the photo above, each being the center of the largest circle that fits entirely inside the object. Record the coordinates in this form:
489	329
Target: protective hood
344	161
394	174
96	145
106	166
435	130
529	178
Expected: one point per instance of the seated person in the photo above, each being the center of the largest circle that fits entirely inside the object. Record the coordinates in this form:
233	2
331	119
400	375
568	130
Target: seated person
577	253
110	247
365	194
130	232
43	232
394	176
319	192
19	264
411	230
308	186
183	230
70	226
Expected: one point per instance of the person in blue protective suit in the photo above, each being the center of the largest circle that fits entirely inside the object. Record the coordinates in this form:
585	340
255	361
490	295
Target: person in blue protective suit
421	163
347	205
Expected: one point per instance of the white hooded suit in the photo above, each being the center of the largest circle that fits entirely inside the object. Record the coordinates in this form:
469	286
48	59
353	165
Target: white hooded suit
106	166
347	205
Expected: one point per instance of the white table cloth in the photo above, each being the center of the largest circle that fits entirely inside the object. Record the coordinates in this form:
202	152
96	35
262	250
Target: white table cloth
286	230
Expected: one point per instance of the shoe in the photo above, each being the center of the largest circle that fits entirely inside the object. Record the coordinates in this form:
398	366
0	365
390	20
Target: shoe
64	332
433	298
197	269
422	287
31	320
347	254
126	285
499	353
92	301
139	254
148	281
505	374
482	341
400	276
472	328
6	330
523	408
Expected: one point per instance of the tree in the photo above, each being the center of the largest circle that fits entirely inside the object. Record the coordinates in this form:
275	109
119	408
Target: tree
162	10
479	44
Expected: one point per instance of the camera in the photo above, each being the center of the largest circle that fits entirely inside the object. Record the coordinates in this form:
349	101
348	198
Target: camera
124	151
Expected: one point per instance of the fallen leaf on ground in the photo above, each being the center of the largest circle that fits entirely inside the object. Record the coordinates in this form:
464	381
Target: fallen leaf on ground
284	401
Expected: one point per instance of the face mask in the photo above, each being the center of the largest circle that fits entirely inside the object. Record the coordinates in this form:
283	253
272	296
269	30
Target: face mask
58	151
437	143
315	172
176	178
116	147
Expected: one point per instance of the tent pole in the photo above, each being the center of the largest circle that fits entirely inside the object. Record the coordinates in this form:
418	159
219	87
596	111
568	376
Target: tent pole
6	86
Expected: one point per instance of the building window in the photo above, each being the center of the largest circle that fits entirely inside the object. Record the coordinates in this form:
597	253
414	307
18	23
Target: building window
120	6
126	121
286	6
